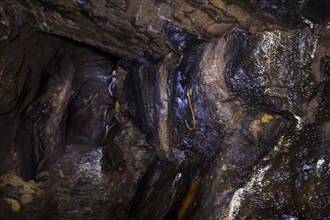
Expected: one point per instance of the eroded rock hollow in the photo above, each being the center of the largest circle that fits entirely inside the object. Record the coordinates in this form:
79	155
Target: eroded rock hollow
189	109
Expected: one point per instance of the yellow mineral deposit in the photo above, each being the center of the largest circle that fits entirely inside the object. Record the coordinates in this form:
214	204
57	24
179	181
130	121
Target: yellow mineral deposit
15	206
266	118
280	140
27	189
117	105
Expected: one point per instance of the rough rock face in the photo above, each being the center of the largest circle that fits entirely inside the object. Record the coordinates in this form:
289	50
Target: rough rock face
173	110
35	97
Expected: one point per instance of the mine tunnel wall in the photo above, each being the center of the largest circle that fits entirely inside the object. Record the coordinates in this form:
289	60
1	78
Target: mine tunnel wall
206	109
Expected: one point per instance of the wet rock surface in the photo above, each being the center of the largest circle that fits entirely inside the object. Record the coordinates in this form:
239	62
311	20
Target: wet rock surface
191	109
78	173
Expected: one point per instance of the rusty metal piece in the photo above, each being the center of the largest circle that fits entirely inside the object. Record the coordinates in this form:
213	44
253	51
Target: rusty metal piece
189	94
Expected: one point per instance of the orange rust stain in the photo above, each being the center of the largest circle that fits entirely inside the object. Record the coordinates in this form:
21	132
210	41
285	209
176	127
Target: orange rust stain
189	198
117	105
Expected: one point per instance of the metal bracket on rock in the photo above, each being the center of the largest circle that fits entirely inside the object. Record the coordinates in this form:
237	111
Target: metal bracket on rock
189	94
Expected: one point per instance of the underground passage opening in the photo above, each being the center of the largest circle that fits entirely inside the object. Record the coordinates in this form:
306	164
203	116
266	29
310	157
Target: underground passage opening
90	112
